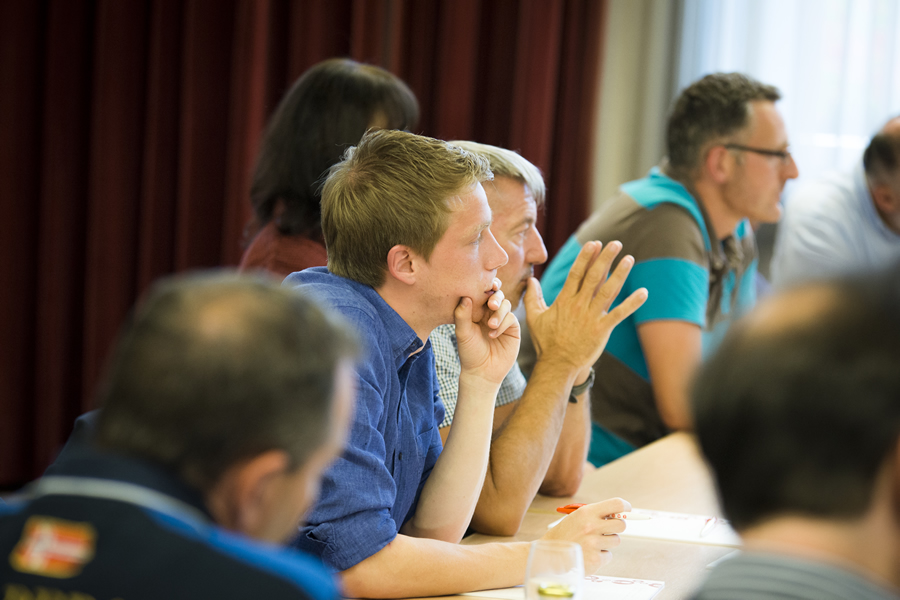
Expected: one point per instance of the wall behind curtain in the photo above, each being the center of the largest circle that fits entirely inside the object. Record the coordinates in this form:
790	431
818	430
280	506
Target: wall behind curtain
129	131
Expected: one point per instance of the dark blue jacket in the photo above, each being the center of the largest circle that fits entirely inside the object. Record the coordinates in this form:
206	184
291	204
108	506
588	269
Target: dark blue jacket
113	527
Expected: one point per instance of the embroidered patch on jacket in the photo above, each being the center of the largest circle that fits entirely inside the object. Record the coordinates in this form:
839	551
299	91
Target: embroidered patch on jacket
53	547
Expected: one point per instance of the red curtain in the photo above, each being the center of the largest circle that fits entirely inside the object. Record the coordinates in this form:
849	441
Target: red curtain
129	131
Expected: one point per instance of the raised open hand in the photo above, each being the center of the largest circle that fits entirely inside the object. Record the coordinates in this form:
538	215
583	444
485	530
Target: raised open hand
577	326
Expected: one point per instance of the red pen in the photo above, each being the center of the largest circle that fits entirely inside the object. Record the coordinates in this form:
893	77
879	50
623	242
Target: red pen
570	508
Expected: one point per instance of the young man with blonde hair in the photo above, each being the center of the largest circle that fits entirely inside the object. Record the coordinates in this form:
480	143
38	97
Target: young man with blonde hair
407	227
542	429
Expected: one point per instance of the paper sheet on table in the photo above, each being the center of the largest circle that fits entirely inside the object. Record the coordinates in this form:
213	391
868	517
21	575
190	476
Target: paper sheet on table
595	587
681	527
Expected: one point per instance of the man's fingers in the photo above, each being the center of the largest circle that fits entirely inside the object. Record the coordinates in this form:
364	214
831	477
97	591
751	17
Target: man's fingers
599	269
496	319
629	305
509	325
496	298
534	298
609	289
606	507
576	274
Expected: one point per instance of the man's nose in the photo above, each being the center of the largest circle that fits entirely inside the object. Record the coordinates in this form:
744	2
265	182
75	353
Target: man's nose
535	250
497	256
792	171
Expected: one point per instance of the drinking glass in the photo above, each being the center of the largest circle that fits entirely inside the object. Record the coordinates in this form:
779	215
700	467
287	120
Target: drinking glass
555	571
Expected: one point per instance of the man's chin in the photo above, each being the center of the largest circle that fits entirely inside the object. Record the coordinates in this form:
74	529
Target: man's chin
478	312
518	294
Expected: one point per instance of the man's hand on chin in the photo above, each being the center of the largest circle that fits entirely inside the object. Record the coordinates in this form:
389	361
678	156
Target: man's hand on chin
488	347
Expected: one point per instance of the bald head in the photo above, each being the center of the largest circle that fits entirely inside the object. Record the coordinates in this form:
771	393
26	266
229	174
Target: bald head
892	128
881	159
798	410
214	369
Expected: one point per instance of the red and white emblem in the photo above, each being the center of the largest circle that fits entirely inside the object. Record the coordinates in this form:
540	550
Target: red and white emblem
53	547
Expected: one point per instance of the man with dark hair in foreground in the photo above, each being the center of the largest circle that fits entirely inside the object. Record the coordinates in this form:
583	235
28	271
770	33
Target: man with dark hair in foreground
799	416
224	400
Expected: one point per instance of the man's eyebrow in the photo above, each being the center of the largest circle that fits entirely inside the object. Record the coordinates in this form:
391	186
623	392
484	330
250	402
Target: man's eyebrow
481	227
526	220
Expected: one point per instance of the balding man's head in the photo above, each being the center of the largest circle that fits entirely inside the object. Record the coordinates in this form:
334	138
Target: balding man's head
882	158
215	369
798	410
881	162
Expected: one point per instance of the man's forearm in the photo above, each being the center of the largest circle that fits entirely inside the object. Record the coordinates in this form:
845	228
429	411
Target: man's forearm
448	499
410	567
521	451
672	350
566	469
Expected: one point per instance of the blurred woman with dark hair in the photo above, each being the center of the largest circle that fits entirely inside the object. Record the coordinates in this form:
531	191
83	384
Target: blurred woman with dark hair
327	110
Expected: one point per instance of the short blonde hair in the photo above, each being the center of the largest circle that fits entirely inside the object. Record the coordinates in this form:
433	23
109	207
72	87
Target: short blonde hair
506	163
393	188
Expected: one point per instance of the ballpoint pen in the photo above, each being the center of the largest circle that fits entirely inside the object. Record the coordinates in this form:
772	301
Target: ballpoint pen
708	526
570	508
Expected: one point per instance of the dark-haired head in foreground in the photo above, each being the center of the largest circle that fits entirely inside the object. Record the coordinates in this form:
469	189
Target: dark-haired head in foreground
799	415
224	400
216	371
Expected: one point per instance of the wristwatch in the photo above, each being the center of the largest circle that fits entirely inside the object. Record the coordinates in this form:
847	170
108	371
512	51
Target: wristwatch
581	388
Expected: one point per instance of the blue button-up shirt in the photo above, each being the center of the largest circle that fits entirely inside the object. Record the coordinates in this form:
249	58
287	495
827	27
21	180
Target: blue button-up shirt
374	486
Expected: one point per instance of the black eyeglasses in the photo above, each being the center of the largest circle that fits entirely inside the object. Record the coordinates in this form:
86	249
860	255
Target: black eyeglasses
783	155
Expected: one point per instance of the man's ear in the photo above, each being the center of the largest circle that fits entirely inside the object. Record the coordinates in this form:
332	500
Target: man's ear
243	497
402	264
885	199
719	164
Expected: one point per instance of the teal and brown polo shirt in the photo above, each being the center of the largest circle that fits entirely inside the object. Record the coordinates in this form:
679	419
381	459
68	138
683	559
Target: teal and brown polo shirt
690	275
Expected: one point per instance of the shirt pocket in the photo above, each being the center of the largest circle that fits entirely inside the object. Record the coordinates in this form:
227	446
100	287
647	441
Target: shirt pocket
423	444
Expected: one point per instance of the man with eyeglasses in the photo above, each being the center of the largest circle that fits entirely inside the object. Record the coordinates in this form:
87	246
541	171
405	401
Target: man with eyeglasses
687	224
844	222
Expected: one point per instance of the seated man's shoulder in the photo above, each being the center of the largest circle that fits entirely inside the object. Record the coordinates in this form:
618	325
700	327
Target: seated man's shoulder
333	290
829	198
664	230
821	223
660	227
281	567
354	301
111	544
753	575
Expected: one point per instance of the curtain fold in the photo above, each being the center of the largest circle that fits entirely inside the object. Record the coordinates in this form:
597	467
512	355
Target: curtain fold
130	131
